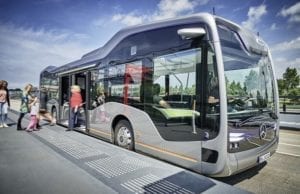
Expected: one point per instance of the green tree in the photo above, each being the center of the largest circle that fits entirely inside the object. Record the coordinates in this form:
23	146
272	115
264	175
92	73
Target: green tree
281	87
228	89
251	82
289	85
232	88
291	78
235	88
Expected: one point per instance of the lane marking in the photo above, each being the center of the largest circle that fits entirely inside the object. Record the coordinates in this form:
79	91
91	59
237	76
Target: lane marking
290	123
289	144
283	133
289	154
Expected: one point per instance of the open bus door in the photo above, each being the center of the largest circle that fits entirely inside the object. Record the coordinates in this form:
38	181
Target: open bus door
80	79
67	81
64	100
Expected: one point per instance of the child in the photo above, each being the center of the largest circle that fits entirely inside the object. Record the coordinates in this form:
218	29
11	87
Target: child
33	115
75	103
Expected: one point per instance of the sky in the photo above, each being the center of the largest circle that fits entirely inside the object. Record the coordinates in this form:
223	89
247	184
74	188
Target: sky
37	33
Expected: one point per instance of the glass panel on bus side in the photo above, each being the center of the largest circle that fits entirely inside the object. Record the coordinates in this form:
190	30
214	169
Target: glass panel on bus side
125	83
64	100
173	107
98	95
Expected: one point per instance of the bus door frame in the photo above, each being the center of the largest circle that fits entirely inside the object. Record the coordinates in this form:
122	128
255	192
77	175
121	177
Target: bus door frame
61	98
87	76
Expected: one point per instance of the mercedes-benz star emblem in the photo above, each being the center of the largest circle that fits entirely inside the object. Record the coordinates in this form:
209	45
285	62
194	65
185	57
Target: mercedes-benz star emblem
263	131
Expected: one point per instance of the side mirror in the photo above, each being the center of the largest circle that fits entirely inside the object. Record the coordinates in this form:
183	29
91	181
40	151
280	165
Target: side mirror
190	33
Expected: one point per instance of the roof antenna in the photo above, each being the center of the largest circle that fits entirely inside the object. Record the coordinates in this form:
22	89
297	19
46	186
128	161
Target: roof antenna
213	10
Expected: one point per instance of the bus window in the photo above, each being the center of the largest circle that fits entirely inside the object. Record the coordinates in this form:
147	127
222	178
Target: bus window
124	83
98	95
173	106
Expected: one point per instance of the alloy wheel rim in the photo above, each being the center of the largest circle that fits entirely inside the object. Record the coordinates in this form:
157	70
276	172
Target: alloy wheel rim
124	137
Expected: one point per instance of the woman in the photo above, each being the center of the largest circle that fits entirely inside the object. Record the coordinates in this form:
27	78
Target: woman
24	104
3	95
75	104
7	104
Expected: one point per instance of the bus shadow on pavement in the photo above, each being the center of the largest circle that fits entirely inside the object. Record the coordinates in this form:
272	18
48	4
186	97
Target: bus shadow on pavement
248	174
176	183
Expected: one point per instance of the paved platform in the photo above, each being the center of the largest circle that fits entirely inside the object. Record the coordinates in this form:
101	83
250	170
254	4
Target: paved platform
54	161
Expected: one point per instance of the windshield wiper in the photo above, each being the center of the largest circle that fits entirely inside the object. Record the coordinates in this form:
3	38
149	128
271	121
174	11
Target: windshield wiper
272	114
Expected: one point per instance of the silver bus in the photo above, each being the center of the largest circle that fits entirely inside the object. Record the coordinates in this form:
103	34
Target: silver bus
197	91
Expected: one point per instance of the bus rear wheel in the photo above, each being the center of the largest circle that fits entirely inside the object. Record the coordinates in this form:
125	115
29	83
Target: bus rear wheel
124	135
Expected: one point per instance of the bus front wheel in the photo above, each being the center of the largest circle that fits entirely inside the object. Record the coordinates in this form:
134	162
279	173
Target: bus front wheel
124	135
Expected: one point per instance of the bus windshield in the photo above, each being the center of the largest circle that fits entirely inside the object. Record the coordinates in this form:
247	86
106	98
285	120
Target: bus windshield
250	94
249	88
248	77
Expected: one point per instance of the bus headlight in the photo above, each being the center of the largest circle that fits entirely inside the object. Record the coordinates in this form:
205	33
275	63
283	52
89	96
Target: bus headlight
234	139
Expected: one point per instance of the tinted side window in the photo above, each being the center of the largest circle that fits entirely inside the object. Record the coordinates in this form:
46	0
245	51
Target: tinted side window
124	83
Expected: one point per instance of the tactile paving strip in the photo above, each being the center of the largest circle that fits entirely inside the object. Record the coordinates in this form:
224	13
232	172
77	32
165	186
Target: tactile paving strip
153	184
71	147
116	166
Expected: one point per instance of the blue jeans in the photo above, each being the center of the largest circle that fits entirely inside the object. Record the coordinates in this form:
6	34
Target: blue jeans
73	118
3	116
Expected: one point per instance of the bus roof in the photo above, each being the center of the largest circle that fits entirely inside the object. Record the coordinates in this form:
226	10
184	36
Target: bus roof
252	42
92	58
48	69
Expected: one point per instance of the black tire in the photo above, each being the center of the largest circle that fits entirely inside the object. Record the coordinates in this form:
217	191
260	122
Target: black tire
124	135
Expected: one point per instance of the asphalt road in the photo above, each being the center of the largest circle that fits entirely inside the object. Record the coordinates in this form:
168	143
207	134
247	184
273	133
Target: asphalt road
290	120
280	174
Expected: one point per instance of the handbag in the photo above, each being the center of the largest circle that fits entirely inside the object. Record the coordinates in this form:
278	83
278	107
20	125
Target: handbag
24	105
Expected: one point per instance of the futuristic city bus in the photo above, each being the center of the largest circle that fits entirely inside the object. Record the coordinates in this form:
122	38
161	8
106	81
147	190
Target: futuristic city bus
196	91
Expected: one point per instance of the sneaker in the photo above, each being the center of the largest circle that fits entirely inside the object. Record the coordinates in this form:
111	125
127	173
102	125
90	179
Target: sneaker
37	129
5	125
1	125
29	130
